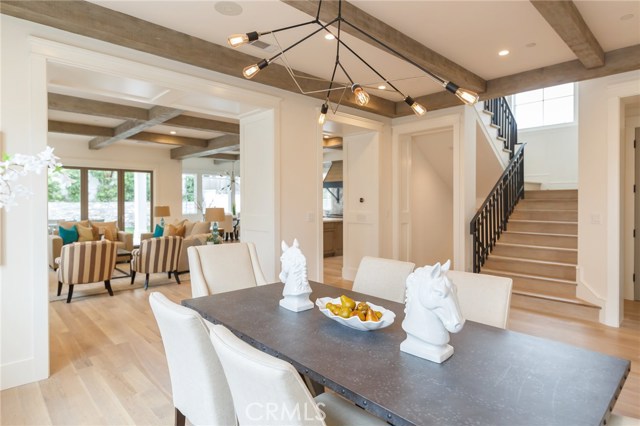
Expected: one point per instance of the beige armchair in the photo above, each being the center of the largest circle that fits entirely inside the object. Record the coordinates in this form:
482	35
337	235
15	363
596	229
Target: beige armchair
54	244
85	263
195	234
156	255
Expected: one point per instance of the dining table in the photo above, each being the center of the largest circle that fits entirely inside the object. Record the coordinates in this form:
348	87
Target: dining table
494	377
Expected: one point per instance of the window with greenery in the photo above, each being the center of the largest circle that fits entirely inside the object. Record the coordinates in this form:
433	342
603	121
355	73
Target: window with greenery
64	195
545	107
189	194
121	196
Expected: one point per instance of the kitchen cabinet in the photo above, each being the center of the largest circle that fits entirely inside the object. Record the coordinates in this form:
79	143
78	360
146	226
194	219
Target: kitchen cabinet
332	237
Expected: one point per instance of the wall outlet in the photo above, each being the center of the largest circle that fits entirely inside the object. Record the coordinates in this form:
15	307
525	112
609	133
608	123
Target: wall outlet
596	219
309	217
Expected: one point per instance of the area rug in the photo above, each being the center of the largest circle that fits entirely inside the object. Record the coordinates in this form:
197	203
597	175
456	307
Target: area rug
117	284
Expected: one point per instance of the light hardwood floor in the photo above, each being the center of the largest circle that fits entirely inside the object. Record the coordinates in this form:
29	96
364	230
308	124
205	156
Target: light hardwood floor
108	365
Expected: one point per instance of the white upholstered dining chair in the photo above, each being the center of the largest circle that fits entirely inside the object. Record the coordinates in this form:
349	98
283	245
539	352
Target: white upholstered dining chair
220	268
269	391
483	298
384	278
199	387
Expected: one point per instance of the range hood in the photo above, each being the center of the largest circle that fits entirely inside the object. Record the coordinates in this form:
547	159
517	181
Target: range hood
333	179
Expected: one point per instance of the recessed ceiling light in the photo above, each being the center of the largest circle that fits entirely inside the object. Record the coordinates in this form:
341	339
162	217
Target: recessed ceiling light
382	87
504	52
530	44
228	8
325	136
627	17
173	132
329	36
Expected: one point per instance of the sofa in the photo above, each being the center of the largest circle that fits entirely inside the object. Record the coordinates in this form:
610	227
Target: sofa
194	233
123	240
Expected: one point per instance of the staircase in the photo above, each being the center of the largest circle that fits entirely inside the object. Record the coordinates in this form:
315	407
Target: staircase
539	251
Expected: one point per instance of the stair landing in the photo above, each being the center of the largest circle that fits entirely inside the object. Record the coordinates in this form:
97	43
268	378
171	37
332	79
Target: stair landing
539	252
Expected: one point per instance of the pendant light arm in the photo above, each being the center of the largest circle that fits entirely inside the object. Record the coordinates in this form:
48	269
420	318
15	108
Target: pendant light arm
290	27
318	12
340	42
322	27
395	52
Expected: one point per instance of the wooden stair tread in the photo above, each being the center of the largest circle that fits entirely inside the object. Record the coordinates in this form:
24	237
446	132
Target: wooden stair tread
534	277
539	233
559	222
543	262
573	301
549	199
529	246
541	210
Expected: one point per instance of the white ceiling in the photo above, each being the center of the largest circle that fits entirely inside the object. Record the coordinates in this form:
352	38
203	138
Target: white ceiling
469	33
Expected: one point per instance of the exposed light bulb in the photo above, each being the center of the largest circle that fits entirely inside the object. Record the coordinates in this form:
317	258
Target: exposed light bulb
323	113
362	97
467	96
417	108
250	71
237	40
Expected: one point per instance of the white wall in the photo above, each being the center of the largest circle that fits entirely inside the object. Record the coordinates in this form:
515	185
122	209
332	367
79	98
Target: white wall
431	199
24	344
551	156
600	183
361	200
167	173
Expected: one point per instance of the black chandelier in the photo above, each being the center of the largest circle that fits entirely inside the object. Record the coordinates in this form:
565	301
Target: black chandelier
361	96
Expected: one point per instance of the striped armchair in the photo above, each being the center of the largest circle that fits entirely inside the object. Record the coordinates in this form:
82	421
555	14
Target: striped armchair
85	263
156	255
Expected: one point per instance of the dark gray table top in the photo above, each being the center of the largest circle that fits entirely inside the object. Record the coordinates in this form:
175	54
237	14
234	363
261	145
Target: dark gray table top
495	376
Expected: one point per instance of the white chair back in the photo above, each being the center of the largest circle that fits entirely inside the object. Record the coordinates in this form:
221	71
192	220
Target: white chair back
483	298
385	278
223	267
266	390
199	386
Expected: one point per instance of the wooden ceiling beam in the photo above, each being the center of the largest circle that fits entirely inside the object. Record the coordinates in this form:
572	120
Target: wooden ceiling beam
169	139
566	20
332	143
395	39
76	105
90	20
157	115
616	62
79	129
214	146
224	157
205	124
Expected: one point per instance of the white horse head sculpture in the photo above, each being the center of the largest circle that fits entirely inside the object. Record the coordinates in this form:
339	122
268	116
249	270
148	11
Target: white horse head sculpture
432	311
294	276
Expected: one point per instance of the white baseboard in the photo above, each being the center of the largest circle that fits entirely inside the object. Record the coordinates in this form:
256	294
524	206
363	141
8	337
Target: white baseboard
585	292
558	185
20	373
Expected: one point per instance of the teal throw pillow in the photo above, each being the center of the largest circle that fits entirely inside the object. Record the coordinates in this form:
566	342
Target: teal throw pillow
69	235
158	232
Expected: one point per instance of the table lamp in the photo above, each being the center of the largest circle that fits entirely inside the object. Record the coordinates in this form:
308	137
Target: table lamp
215	215
161	212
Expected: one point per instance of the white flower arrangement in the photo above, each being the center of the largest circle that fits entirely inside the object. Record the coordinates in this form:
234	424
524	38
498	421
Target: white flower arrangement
13	167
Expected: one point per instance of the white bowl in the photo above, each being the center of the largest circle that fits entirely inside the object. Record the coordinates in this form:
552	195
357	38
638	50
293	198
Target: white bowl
355	322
